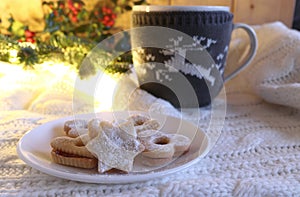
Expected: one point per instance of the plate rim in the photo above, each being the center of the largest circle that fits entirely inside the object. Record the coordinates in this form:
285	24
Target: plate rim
109	178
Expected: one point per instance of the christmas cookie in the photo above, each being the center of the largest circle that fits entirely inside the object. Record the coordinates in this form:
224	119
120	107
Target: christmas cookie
72	152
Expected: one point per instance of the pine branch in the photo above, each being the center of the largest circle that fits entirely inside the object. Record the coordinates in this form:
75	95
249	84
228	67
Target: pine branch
28	56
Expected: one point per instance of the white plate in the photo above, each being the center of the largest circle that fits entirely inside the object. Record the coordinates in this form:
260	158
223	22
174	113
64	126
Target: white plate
34	149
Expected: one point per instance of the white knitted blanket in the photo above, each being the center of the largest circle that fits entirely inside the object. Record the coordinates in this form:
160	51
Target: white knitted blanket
257	154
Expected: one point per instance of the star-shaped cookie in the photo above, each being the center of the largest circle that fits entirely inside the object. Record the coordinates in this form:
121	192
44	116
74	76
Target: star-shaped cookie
114	147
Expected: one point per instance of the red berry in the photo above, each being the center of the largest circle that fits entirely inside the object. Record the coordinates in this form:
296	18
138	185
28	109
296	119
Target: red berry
108	11
75	12
30	40
29	34
111	23
55	13
74	19
106	18
104	9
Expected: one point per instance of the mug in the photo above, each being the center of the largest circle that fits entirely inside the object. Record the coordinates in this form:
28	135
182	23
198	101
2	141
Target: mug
179	52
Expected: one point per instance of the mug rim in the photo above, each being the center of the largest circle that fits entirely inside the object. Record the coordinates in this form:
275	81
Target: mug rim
170	8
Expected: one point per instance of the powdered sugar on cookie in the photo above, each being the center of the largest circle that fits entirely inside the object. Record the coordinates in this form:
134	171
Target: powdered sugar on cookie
115	147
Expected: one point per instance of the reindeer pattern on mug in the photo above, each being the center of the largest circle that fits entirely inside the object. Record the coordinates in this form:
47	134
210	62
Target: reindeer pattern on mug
177	61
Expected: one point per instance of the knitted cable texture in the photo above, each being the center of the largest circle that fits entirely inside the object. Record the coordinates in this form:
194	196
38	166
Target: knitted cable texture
257	153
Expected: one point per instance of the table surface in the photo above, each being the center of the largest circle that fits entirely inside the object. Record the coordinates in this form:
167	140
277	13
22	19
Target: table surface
258	153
